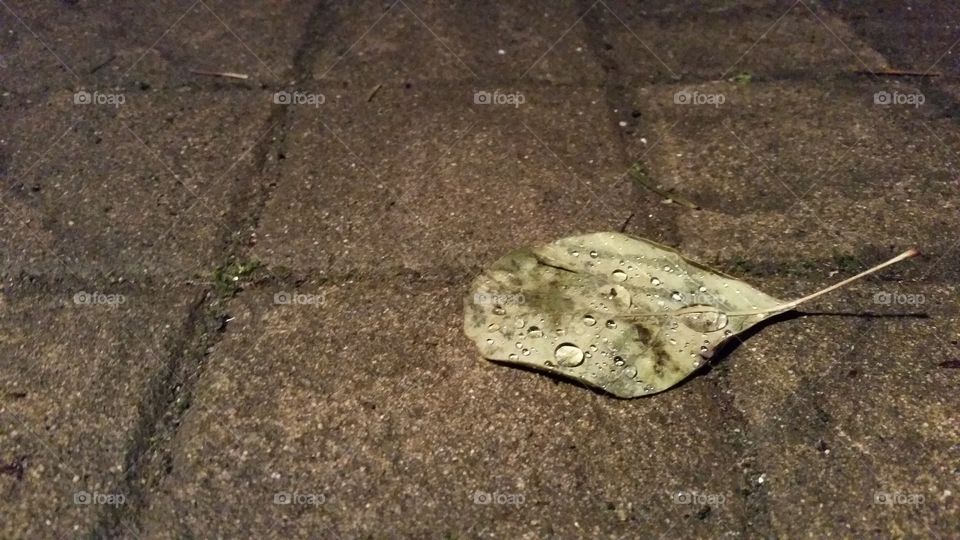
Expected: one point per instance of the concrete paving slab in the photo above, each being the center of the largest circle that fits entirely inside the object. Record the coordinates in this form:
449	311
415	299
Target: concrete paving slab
78	370
463	182
779	179
132	188
332	394
373	402
53	45
417	41
855	423
767	42
914	36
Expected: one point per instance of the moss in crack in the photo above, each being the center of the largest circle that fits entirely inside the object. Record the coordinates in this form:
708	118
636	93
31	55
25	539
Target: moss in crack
229	279
845	263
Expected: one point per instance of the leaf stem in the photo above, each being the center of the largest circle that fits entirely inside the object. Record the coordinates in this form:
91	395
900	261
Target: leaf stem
912	252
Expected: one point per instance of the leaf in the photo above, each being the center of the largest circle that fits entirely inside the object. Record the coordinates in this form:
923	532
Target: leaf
622	314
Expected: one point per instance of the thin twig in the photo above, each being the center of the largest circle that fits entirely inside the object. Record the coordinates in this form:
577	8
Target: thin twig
374	92
227	74
97	67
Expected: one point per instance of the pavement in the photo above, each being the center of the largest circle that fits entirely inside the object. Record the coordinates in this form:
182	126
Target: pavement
236	238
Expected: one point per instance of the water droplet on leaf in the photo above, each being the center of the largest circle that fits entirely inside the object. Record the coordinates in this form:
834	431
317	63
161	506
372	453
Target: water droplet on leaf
568	355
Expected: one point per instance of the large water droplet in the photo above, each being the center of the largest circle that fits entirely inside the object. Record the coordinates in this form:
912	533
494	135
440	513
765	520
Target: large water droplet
489	341
575	253
568	355
655	282
676	296
497	310
593	254
611	324
534	332
513	356
618	361
589	320
709	320
619	275
525	352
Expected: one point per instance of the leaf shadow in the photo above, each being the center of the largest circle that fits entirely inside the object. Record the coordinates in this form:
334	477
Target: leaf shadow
723	352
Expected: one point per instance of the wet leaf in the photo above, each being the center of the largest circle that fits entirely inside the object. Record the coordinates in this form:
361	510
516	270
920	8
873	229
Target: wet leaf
622	314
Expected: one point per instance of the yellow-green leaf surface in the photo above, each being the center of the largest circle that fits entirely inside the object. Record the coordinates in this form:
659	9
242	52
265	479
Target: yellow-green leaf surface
622	314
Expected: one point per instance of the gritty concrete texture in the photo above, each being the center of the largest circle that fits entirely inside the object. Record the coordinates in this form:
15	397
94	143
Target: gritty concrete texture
48	45
141	188
79	371
404	442
775	40
800	162
294	248
443	170
469	42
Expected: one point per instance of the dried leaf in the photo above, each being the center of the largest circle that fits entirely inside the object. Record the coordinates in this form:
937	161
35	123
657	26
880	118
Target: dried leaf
625	315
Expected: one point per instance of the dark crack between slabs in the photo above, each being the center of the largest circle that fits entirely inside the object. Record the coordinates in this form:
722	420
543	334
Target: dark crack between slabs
149	457
618	98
